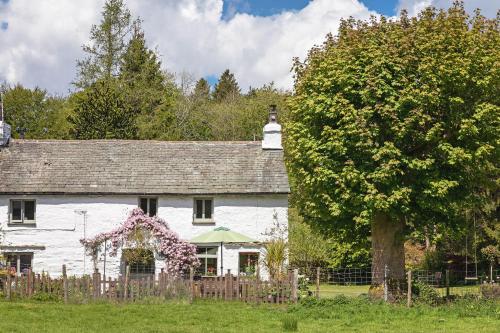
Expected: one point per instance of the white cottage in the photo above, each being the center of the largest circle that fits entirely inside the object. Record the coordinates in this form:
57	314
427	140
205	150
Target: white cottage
54	193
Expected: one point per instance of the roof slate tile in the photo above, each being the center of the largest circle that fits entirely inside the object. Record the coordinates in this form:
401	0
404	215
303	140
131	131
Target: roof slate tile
145	167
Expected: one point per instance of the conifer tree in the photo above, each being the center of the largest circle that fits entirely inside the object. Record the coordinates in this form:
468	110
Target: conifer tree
227	87
108	44
141	73
102	112
202	89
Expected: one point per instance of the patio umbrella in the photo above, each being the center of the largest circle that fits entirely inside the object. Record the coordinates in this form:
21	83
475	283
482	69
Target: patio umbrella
222	235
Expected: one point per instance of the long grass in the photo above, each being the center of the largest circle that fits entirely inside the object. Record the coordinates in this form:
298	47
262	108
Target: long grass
341	314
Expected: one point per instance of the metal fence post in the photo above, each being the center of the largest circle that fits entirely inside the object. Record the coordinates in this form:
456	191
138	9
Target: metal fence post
318	274
295	283
409	289
385	284
447	284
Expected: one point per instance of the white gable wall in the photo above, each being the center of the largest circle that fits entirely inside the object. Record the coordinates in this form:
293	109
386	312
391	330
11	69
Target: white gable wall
55	238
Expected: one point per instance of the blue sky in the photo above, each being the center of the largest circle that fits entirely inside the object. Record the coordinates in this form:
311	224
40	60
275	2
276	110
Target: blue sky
271	7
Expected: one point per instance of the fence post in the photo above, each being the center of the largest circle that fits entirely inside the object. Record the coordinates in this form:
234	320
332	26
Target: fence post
9	286
191	285
226	285
409	288
125	287
318	274
386	293
257	285
29	285
447	284
65	284
295	282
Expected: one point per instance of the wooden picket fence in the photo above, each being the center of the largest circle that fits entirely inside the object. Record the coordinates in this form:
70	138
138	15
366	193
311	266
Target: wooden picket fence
124	289
247	289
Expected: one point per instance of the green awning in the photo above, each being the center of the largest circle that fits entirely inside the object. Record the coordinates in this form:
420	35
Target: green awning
222	235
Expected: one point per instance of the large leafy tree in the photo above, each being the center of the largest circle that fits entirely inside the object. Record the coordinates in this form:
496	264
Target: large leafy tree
102	112
35	113
108	44
244	117
394	124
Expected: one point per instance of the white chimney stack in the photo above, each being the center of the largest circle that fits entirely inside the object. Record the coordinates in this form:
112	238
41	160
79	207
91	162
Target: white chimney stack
272	131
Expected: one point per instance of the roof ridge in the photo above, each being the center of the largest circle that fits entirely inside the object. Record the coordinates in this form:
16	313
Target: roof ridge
131	140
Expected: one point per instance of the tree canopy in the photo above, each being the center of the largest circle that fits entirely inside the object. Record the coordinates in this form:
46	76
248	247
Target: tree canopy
35	113
394	124
102	112
227	87
107	46
141	74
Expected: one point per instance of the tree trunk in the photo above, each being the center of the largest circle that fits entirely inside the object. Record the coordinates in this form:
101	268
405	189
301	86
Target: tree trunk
388	250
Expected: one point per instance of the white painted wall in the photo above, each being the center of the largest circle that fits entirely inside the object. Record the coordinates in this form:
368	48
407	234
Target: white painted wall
58	228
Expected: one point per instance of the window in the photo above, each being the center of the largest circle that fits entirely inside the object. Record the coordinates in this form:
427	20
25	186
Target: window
149	205
248	263
19	262
203	210
141	262
208	260
22	211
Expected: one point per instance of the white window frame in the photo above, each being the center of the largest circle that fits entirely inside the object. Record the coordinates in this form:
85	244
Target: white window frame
205	255
18	260
149	202
203	219
22	220
246	253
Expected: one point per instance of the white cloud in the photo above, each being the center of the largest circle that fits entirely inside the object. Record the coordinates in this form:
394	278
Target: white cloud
44	38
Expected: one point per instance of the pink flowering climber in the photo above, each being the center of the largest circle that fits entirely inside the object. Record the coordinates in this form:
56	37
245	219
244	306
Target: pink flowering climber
179	255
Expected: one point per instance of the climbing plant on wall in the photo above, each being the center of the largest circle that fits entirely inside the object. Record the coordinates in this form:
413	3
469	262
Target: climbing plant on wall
142	231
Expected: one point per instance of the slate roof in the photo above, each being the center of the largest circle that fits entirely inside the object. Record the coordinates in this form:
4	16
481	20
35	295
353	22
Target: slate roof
140	167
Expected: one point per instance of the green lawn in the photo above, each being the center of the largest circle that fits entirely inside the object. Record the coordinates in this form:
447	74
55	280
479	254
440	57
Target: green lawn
330	290
339	315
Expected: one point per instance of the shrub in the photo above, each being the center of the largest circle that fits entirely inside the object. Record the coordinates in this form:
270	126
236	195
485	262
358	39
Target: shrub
433	260
490	291
424	293
310	302
303	286
45	297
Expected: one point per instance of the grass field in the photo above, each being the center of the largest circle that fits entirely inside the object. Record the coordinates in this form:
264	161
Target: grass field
330	290
338	315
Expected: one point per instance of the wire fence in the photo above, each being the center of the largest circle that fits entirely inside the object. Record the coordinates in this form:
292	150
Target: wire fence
331	282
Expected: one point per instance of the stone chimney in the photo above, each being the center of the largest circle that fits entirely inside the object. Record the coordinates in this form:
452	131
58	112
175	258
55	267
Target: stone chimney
272	131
